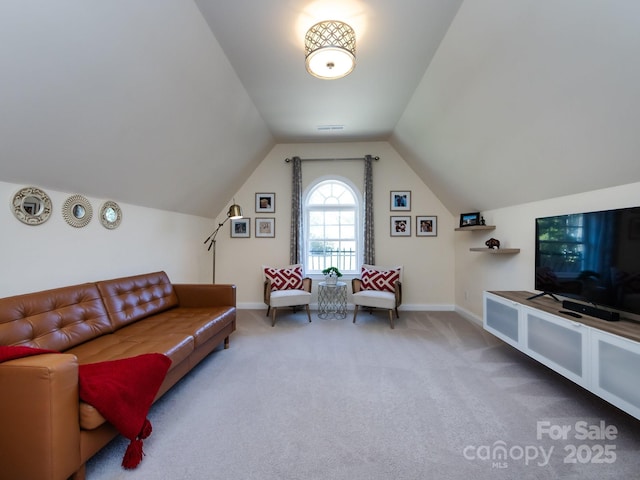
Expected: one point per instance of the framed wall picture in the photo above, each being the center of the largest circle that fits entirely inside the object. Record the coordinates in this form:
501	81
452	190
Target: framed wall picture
469	219
241	228
401	226
265	228
401	200
426	226
265	203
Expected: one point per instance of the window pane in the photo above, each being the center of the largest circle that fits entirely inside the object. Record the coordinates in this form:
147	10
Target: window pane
331	193
318	196
347	232
316	247
348	245
316	218
332	232
348	217
332	218
331	246
316	232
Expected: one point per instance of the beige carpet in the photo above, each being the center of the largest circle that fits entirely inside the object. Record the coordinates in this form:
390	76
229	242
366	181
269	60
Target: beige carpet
436	398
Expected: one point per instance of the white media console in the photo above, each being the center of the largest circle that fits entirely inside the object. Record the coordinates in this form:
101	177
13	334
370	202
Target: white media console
603	357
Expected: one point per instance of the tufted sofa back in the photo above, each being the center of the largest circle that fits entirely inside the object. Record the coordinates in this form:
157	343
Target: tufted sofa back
62	318
55	319
131	298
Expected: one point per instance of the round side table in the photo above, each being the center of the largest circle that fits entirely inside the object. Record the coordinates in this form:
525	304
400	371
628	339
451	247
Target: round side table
332	300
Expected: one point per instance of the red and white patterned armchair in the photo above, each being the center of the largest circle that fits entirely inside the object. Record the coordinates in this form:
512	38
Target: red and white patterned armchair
378	287
285	287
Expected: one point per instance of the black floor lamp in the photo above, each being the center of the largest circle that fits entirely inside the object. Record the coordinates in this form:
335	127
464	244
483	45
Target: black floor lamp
235	212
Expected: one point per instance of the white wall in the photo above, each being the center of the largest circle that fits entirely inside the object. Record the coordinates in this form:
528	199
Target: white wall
56	254
438	271
515	227
428	261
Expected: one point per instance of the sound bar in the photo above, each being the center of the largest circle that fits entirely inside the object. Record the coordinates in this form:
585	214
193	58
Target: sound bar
592	311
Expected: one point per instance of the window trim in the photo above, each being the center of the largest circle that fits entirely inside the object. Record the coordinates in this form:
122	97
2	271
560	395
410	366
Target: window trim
359	216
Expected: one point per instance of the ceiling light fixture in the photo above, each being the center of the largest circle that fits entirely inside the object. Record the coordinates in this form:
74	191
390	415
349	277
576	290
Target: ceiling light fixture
330	50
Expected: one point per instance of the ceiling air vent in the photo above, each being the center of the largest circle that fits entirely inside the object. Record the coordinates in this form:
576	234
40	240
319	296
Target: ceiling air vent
330	128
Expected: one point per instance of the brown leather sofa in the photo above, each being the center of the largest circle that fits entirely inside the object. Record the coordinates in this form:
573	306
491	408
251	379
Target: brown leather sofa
47	433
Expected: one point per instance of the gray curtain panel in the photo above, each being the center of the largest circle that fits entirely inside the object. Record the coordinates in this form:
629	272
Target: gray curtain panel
369	243
295	245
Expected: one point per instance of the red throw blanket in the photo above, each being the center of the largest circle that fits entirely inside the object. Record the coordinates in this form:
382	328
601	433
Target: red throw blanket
121	390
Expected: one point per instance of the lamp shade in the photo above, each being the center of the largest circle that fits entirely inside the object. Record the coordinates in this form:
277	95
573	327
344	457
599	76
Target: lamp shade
235	212
330	49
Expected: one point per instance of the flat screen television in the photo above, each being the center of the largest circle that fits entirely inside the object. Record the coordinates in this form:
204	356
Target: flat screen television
591	257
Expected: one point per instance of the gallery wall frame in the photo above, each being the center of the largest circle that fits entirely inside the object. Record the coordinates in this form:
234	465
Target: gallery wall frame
241	228
426	226
265	228
400	226
265	203
400	200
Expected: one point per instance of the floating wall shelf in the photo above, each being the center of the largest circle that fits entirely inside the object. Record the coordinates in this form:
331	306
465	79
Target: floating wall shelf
496	251
475	227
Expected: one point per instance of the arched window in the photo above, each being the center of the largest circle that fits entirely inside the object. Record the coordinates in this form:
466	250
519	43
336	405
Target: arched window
332	227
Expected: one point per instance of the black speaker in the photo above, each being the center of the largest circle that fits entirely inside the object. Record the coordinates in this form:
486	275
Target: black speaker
592	311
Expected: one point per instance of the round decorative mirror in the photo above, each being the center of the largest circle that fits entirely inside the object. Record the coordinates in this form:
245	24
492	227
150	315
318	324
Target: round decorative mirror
110	215
31	206
77	211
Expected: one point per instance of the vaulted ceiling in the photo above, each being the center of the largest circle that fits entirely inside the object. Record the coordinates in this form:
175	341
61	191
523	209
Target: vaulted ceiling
171	104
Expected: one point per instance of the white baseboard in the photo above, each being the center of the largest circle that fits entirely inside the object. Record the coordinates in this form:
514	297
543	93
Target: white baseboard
468	315
251	306
415	307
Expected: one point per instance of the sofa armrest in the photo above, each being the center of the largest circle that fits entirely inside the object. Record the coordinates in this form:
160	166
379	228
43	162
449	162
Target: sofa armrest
205	294
39	414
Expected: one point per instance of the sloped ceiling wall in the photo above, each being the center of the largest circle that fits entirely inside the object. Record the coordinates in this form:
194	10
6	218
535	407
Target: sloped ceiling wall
524	100
528	100
129	100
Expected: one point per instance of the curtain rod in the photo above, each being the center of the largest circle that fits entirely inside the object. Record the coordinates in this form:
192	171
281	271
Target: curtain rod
288	160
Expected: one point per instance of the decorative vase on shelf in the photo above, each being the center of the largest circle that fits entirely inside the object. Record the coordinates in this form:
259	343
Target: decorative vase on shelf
330	279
